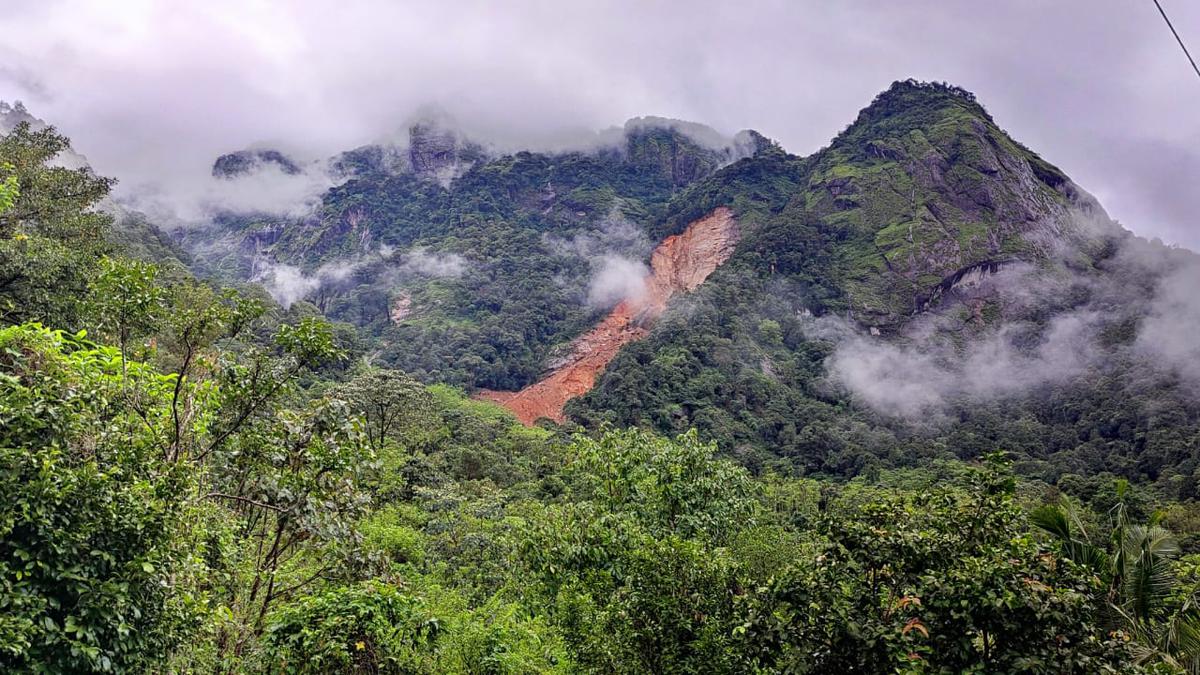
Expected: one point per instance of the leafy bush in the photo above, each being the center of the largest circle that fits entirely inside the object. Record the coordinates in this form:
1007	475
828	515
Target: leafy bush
370	628
95	556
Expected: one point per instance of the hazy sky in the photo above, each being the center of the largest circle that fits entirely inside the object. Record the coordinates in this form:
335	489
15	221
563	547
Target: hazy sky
152	91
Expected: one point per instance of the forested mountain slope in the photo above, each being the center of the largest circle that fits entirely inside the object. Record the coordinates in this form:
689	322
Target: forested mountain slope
201	478
468	267
923	282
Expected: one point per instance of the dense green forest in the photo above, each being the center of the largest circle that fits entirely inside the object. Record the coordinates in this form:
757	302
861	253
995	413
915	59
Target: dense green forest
873	230
514	227
194	478
922	189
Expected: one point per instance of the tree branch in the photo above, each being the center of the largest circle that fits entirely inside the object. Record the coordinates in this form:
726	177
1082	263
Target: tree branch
247	500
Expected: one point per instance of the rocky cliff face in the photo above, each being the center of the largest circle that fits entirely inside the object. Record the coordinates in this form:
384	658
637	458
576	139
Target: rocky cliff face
441	154
925	185
679	264
684	152
242	162
369	159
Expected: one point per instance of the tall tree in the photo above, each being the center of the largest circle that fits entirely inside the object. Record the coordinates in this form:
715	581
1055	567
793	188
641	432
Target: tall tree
51	235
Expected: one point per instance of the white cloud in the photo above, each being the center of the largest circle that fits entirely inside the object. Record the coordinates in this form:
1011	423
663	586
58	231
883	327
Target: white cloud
614	249
424	262
1171	332
153	92
915	379
616	279
287	283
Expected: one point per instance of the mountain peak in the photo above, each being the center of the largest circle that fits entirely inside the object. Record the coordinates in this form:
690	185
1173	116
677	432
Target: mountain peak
437	150
924	185
702	134
686	151
906	95
910	104
234	164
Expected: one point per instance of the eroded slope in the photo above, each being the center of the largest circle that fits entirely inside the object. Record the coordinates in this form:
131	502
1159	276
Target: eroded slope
680	263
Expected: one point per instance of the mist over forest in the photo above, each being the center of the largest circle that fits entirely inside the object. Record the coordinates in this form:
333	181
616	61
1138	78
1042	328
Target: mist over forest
427	338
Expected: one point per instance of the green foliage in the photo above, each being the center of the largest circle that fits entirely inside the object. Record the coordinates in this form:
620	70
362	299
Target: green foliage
622	553
371	628
127	302
942	581
626	601
671	487
467	440
1136	564
498	639
631	572
387	532
134	236
378	629
125	487
95	564
670	612
50	236
10	188
50	201
394	407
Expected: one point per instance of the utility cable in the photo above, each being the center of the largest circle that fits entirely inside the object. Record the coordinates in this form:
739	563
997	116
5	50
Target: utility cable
1177	38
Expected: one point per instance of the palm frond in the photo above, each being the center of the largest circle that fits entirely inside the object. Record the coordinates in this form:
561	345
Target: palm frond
1148	579
1181	639
1053	520
1062	522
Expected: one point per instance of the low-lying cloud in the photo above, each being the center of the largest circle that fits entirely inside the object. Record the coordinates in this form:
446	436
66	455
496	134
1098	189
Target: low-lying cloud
614	249
911	380
267	189
615	279
1170	333
289	284
421	261
939	361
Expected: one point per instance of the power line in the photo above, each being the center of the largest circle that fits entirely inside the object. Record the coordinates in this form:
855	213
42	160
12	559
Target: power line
1177	38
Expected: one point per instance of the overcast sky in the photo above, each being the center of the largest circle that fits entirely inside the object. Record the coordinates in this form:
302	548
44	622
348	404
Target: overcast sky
152	91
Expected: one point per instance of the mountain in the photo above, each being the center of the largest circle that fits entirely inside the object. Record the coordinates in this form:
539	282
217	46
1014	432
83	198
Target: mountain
924	286
924	187
200	477
495	259
909	286
248	161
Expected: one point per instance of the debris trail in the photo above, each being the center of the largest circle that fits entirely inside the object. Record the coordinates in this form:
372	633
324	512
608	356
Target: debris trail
680	263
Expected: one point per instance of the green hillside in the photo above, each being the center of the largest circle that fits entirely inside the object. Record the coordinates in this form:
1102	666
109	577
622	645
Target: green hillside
874	231
935	414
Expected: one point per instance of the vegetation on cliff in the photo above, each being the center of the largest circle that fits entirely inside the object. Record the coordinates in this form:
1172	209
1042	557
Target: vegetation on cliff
833	246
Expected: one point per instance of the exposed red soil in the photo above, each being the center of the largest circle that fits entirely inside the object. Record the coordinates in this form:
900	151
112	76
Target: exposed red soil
680	263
